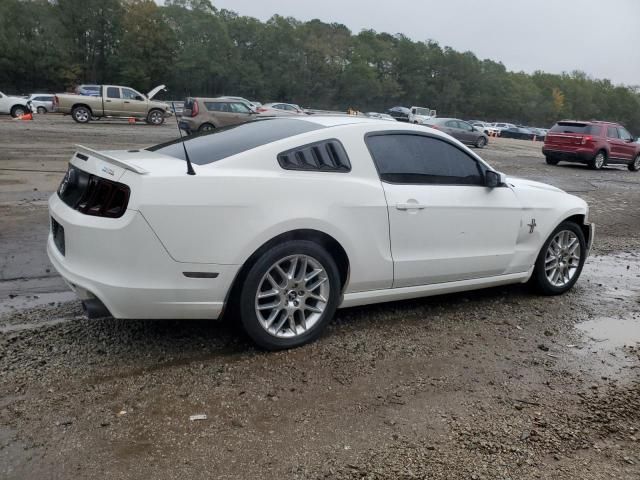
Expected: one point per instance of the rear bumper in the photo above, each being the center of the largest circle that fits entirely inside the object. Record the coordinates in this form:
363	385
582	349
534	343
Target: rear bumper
122	264
578	155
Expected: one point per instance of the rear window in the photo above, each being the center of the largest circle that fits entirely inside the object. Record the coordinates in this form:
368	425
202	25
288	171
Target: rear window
224	142
575	127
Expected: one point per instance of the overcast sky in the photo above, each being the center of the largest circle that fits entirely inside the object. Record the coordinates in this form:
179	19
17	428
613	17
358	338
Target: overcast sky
599	37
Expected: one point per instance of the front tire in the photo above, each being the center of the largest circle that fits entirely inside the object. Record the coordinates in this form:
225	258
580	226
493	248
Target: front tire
289	295
81	114
18	110
635	165
560	260
481	142
155	117
551	160
41	110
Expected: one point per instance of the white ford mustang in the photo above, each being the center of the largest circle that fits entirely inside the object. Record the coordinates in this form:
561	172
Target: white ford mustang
284	220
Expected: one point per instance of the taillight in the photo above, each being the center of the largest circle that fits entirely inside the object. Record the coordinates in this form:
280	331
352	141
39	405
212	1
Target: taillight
261	109
587	139
93	195
55	101
195	109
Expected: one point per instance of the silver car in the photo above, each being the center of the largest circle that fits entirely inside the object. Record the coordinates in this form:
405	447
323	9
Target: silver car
278	109
459	129
41	102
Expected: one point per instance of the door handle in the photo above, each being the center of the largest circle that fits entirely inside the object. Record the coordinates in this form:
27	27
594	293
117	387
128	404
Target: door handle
409	206
126	101
108	101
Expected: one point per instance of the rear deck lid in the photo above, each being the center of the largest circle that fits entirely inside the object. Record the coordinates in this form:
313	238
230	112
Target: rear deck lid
571	133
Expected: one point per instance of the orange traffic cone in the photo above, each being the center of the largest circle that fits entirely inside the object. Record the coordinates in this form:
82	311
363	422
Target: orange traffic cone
25	116
132	120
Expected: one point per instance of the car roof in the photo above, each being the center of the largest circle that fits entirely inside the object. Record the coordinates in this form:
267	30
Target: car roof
337	120
589	122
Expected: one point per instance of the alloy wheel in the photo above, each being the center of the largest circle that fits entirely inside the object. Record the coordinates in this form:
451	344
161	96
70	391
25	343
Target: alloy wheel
562	258
292	296
599	161
81	115
156	118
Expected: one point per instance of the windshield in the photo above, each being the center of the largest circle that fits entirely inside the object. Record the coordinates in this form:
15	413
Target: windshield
423	111
574	127
225	142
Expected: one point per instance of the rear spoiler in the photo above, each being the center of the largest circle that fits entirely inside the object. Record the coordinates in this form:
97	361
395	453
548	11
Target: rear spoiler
110	159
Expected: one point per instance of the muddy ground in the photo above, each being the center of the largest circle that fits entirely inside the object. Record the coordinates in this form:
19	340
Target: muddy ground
499	383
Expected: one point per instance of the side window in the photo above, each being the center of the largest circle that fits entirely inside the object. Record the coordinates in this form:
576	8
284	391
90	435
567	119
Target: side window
213	106
239	108
129	94
612	132
326	155
464	126
452	124
113	92
418	159
279	106
624	134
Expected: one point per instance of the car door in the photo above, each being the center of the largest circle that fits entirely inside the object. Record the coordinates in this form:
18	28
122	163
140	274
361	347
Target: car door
444	223
242	113
134	103
113	102
452	128
627	146
467	134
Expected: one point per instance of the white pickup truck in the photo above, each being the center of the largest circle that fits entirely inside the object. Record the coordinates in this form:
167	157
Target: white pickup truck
15	106
113	101
421	114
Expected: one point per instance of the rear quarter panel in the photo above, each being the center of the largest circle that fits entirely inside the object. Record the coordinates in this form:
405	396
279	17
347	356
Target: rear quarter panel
234	206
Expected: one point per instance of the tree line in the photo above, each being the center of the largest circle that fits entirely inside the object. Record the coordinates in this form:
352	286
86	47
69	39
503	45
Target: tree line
197	49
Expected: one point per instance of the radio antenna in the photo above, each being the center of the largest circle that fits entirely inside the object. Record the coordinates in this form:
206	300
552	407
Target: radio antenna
190	170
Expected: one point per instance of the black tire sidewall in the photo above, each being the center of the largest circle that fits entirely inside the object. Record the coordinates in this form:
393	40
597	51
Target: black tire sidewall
251	282
150	116
205	127
632	166
539	277
481	142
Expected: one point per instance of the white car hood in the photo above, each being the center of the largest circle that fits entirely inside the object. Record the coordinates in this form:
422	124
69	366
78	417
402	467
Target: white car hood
524	183
155	91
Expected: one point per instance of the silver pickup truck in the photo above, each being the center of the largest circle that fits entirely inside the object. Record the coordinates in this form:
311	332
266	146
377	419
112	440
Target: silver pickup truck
114	101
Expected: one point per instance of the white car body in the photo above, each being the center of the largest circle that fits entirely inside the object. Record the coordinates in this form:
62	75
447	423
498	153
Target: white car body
41	102
402	241
8	103
421	114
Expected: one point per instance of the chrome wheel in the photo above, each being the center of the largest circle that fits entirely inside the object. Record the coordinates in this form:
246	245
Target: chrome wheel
635	166
292	296
156	117
562	258
598	162
81	115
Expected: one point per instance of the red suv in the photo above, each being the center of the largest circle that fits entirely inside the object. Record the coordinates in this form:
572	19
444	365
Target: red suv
594	143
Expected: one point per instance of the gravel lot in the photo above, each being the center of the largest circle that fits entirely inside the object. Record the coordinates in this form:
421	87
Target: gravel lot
499	383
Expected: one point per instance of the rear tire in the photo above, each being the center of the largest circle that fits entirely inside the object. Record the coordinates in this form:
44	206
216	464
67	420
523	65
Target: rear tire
481	142
41	110
289	298
558	252
81	114
599	161
206	127
551	160
635	165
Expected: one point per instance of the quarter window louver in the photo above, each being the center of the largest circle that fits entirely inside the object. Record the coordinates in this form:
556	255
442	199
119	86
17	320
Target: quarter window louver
324	156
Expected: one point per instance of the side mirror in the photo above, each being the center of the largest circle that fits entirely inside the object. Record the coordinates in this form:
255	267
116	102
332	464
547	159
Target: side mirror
494	179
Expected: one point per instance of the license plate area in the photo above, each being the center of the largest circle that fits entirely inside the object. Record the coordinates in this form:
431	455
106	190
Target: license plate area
58	235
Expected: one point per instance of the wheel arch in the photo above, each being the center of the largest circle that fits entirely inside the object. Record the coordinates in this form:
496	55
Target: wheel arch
328	242
76	105
578	219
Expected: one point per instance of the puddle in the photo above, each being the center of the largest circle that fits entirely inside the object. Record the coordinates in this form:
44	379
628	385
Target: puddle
611	333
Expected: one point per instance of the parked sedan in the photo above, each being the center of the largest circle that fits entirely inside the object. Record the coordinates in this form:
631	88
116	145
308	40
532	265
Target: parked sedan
283	220
280	109
460	130
380	116
401	114
517	132
41	102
